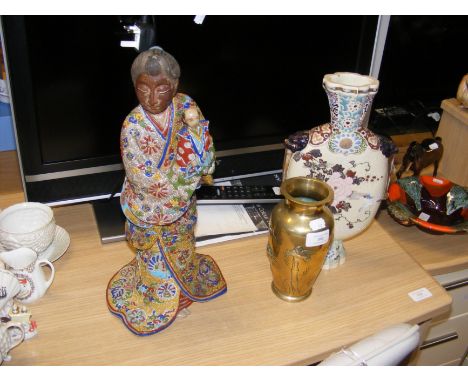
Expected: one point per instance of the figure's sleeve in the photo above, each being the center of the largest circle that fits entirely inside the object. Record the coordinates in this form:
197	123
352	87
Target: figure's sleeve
139	153
127	148
209	163
209	167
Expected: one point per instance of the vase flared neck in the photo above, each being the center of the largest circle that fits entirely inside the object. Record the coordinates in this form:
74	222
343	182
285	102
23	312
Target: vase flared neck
350	97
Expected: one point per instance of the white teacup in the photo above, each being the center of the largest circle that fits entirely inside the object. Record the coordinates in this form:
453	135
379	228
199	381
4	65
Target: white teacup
30	225
7	342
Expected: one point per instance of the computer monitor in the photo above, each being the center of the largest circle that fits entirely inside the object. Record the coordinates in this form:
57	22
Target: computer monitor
257	79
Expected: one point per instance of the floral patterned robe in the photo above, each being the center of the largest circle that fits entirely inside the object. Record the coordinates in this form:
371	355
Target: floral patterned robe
163	165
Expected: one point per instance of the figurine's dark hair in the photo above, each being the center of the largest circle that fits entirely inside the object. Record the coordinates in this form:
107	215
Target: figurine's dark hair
153	62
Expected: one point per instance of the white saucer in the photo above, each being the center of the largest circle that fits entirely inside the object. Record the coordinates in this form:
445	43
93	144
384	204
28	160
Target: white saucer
58	246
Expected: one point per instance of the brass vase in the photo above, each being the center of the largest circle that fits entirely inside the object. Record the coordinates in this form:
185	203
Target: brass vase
301	230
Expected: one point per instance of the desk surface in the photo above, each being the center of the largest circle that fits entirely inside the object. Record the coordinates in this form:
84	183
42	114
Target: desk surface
248	325
437	253
11	188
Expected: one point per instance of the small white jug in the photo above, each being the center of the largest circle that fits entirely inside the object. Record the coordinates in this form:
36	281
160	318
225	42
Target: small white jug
23	263
9	288
6	341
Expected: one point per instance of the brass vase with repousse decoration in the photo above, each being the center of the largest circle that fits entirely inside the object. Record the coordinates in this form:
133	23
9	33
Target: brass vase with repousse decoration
301	230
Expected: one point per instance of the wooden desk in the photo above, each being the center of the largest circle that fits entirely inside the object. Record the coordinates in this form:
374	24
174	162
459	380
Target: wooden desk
11	188
248	325
437	253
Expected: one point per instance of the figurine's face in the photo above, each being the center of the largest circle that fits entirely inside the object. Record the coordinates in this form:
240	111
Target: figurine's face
191	117
155	93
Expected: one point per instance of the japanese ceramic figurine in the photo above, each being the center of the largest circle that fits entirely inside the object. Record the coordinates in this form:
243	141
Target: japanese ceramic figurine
166	149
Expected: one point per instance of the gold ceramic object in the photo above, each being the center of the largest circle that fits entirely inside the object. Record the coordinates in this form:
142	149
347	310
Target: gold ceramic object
301	230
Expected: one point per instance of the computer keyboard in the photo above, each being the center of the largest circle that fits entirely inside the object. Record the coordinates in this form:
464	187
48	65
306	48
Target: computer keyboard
238	194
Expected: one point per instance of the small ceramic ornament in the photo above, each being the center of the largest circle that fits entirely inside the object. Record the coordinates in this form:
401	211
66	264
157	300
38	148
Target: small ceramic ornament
420	155
21	314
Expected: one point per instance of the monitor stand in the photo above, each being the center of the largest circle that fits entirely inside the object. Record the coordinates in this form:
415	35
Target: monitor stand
110	220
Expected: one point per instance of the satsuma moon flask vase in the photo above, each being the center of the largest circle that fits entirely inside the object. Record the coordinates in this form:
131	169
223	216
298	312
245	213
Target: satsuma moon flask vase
301	230
346	155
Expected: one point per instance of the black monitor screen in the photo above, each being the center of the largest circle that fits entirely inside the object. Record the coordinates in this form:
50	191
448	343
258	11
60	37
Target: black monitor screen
256	78
81	84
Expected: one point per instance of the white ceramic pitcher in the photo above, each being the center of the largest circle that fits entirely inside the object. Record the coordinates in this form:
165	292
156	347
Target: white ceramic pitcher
9	288
23	263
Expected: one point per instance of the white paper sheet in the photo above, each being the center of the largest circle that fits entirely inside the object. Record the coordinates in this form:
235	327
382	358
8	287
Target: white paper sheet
223	220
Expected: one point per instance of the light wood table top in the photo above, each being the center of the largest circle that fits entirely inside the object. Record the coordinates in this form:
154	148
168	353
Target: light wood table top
437	253
11	189
248	325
